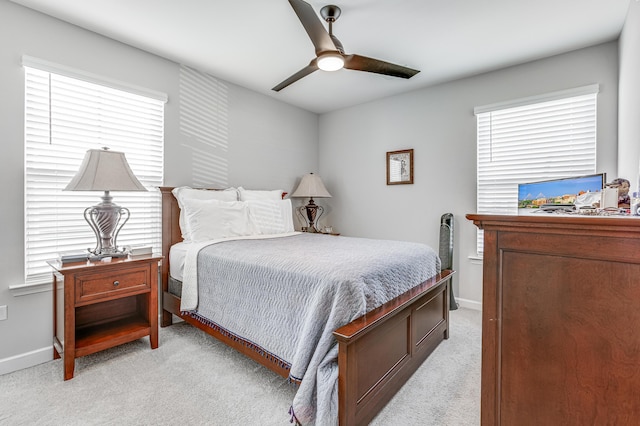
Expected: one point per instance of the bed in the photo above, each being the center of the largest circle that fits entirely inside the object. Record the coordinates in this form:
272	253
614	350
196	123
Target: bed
376	352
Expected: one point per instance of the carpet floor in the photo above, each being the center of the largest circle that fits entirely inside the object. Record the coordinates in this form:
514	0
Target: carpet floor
192	379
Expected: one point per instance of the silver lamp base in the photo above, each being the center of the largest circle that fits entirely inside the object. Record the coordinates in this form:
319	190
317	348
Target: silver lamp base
106	220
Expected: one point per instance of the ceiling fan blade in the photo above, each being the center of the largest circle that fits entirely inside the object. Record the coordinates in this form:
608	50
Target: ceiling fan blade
297	76
314	27
362	63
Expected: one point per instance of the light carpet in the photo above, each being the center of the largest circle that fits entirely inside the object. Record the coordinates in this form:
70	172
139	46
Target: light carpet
192	379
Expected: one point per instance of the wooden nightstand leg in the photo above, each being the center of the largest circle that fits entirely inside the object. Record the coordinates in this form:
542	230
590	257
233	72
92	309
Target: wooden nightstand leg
153	306
69	366
153	338
69	345
56	355
153	323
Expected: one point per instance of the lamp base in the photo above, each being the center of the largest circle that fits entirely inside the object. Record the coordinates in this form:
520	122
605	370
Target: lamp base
99	256
106	220
311	214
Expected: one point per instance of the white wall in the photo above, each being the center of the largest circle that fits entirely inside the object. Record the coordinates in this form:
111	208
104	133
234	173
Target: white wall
438	123
267	144
629	93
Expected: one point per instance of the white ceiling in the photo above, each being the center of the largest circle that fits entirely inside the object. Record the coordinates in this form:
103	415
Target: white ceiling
259	43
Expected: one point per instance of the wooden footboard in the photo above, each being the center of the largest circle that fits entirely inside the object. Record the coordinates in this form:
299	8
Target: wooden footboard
378	352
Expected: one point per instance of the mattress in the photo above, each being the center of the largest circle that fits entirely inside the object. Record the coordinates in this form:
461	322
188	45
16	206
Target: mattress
177	255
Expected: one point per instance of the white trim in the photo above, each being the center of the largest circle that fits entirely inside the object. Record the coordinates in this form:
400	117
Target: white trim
43	65
26	360
552	96
469	304
31	288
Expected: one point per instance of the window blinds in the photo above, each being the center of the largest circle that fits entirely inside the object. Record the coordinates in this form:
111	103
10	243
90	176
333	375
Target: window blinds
64	117
532	142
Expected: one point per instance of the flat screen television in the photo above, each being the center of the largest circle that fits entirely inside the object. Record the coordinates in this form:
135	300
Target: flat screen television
563	191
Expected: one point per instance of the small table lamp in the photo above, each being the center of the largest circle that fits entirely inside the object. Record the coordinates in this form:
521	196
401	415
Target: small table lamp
104	170
311	186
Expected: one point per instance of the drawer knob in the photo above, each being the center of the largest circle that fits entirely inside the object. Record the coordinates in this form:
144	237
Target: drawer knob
116	283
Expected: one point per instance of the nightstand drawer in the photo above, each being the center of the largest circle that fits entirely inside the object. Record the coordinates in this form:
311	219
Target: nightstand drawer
107	286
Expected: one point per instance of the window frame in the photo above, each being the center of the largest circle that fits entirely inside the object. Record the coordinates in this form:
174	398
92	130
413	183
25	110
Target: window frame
563	123
66	113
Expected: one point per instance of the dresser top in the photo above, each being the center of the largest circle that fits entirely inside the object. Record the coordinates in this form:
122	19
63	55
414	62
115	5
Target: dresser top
567	223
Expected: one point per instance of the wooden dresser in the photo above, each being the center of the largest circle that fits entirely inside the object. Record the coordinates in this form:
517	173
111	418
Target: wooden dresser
561	320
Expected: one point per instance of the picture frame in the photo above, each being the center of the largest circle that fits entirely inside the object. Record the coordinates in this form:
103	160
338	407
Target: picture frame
400	167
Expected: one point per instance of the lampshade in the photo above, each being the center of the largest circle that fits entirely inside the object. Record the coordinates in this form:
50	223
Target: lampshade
311	186
104	170
331	61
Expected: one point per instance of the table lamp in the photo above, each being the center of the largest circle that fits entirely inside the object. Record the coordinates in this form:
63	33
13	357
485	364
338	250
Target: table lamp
105	170
311	186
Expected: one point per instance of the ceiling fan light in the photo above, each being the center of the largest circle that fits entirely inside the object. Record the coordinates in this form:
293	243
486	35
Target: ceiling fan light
330	62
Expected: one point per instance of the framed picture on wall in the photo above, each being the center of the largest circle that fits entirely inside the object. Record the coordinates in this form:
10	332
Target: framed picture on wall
400	167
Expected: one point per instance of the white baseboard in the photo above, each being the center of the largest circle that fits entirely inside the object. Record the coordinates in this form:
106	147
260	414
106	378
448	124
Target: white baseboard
469	304
25	360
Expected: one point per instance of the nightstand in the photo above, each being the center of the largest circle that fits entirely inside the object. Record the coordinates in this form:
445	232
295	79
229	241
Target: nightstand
98	305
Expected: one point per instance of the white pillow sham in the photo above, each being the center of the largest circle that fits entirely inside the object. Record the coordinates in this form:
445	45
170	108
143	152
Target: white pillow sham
184	192
271	216
252	194
213	219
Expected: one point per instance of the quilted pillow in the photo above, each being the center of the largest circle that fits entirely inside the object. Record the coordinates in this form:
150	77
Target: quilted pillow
184	192
271	216
251	194
213	219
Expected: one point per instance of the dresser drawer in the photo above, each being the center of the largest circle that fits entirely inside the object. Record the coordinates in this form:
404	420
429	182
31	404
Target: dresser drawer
111	285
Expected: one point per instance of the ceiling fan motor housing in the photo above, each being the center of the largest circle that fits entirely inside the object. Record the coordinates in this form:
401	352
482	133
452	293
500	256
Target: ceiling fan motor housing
330	13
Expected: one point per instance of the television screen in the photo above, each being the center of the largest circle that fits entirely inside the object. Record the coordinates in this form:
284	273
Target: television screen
558	191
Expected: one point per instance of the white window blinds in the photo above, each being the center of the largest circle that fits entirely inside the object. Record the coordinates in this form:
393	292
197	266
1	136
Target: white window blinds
531	142
64	117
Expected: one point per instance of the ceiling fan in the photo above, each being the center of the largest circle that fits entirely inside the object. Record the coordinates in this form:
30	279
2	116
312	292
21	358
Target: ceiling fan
330	54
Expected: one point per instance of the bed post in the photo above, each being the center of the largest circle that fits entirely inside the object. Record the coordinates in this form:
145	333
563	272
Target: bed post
170	235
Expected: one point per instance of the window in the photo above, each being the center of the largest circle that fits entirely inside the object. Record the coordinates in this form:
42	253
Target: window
64	117
533	139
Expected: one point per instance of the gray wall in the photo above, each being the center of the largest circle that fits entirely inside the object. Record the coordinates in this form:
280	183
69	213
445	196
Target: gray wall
265	144
629	113
439	124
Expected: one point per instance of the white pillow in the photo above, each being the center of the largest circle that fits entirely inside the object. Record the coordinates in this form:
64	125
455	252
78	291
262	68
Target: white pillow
271	216
213	219
184	192
250	194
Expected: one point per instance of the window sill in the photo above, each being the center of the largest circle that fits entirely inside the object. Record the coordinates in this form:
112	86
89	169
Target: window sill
30	288
476	259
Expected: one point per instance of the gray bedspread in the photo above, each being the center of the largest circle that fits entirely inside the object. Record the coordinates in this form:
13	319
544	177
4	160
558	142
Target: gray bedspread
285	296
